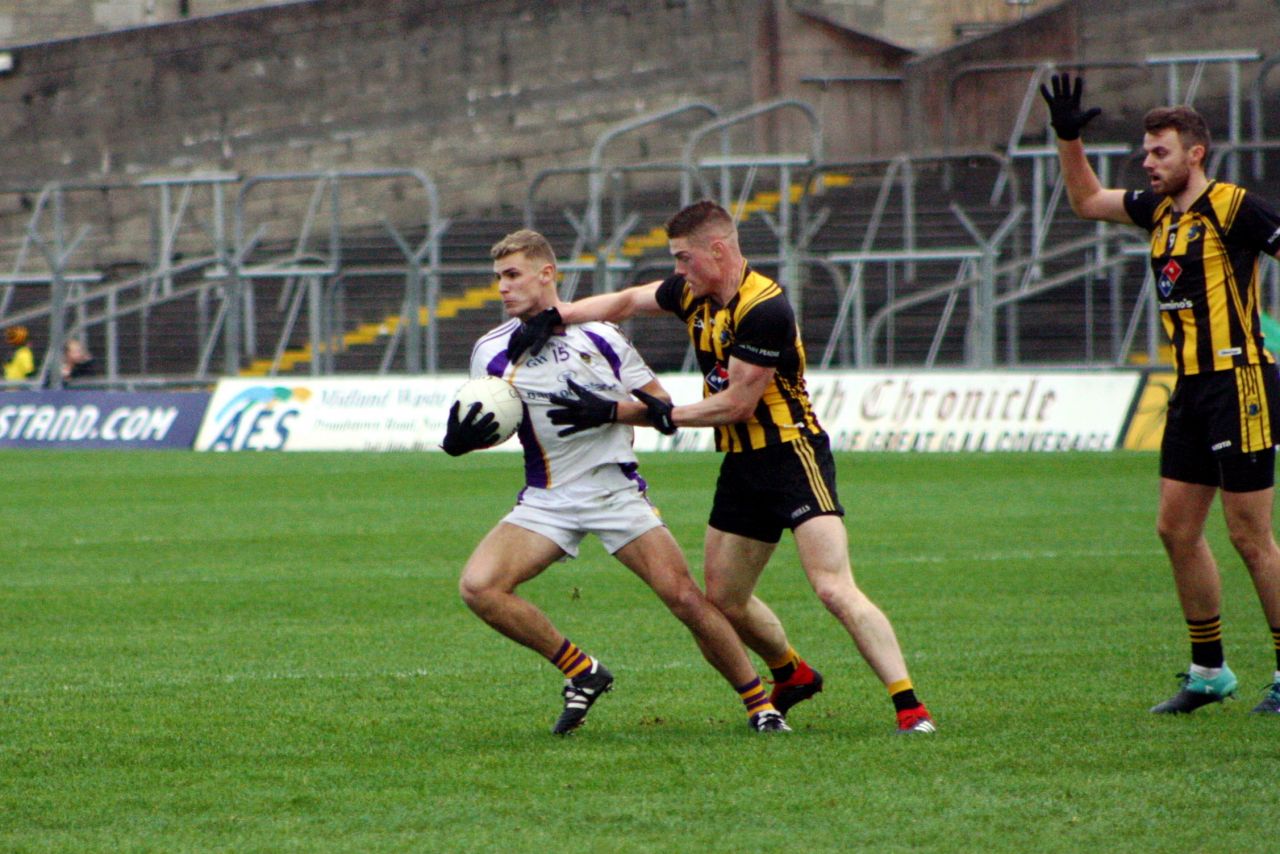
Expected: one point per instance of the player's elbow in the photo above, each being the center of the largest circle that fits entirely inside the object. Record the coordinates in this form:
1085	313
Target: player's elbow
1080	206
1093	206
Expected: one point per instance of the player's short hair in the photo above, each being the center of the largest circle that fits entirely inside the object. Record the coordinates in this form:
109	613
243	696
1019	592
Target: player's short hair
696	217
16	335
1191	127
531	243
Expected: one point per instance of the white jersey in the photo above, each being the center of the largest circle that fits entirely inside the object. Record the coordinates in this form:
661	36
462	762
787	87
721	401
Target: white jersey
596	356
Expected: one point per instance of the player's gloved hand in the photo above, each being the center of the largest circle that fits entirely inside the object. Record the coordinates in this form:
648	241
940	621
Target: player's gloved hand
659	412
533	334
583	412
470	433
1064	106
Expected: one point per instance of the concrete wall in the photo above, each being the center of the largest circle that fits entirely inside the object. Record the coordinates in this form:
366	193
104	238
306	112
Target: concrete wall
481	96
927	24
817	62
955	97
920	25
25	21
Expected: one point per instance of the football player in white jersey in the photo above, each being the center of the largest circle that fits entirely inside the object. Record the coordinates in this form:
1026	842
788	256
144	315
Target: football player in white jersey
579	481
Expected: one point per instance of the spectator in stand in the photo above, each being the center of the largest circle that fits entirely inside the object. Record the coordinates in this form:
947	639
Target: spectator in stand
77	361
22	364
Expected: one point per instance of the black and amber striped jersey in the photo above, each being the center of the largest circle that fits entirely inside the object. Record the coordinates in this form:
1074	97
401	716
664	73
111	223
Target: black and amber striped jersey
756	326
1206	262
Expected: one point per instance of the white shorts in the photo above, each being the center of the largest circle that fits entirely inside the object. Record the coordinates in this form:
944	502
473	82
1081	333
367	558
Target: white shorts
604	501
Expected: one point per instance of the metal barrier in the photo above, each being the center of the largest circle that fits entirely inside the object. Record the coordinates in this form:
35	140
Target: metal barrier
104	307
1256	113
194	256
1044	158
304	267
980	350
590	226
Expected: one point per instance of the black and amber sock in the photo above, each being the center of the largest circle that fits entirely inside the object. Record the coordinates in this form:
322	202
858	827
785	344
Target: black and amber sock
1275	639
754	697
571	660
903	695
784	667
1206	641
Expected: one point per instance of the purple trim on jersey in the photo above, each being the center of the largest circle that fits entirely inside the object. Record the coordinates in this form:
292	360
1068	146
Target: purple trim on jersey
497	365
608	352
632	471
535	461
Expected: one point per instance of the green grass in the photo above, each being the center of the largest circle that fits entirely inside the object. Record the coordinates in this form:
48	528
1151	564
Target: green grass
267	653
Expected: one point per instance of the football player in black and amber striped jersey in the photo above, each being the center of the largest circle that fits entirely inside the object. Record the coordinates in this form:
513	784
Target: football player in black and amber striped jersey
1221	432
778	472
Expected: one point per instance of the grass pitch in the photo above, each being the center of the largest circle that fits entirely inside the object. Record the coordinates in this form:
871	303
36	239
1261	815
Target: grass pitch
267	653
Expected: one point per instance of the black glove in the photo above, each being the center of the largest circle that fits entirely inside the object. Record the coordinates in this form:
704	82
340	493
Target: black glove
1064	106
533	334
583	412
470	433
659	412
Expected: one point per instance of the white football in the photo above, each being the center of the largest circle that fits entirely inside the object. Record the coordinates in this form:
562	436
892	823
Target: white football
495	396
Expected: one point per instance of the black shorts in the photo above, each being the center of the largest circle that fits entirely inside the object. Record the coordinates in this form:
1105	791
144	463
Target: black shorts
761	492
1221	430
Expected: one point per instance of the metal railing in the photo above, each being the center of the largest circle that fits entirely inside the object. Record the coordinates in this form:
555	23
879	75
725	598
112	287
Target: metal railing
304	269
218	257
78	303
986	305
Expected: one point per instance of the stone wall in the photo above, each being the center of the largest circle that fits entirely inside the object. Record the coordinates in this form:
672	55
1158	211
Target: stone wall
960	96
920	25
479	95
484	96
927	24
25	22
852	80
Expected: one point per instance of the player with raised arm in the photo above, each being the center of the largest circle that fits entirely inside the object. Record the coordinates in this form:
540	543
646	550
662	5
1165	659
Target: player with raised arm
1220	432
778	471
578	482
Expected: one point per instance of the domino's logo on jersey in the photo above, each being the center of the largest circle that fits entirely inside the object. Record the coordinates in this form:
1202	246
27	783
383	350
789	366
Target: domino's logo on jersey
1169	276
718	379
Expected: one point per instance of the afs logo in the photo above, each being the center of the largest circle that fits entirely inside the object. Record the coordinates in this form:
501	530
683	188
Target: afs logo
258	419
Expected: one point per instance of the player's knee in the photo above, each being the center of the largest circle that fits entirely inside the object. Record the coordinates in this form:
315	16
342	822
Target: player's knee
732	607
839	598
475	594
1253	546
685	600
1174	536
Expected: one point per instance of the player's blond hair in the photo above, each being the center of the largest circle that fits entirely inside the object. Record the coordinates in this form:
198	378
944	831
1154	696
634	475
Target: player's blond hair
531	243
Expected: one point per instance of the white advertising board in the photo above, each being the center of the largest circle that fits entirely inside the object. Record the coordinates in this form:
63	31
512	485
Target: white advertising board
924	411
903	411
348	414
